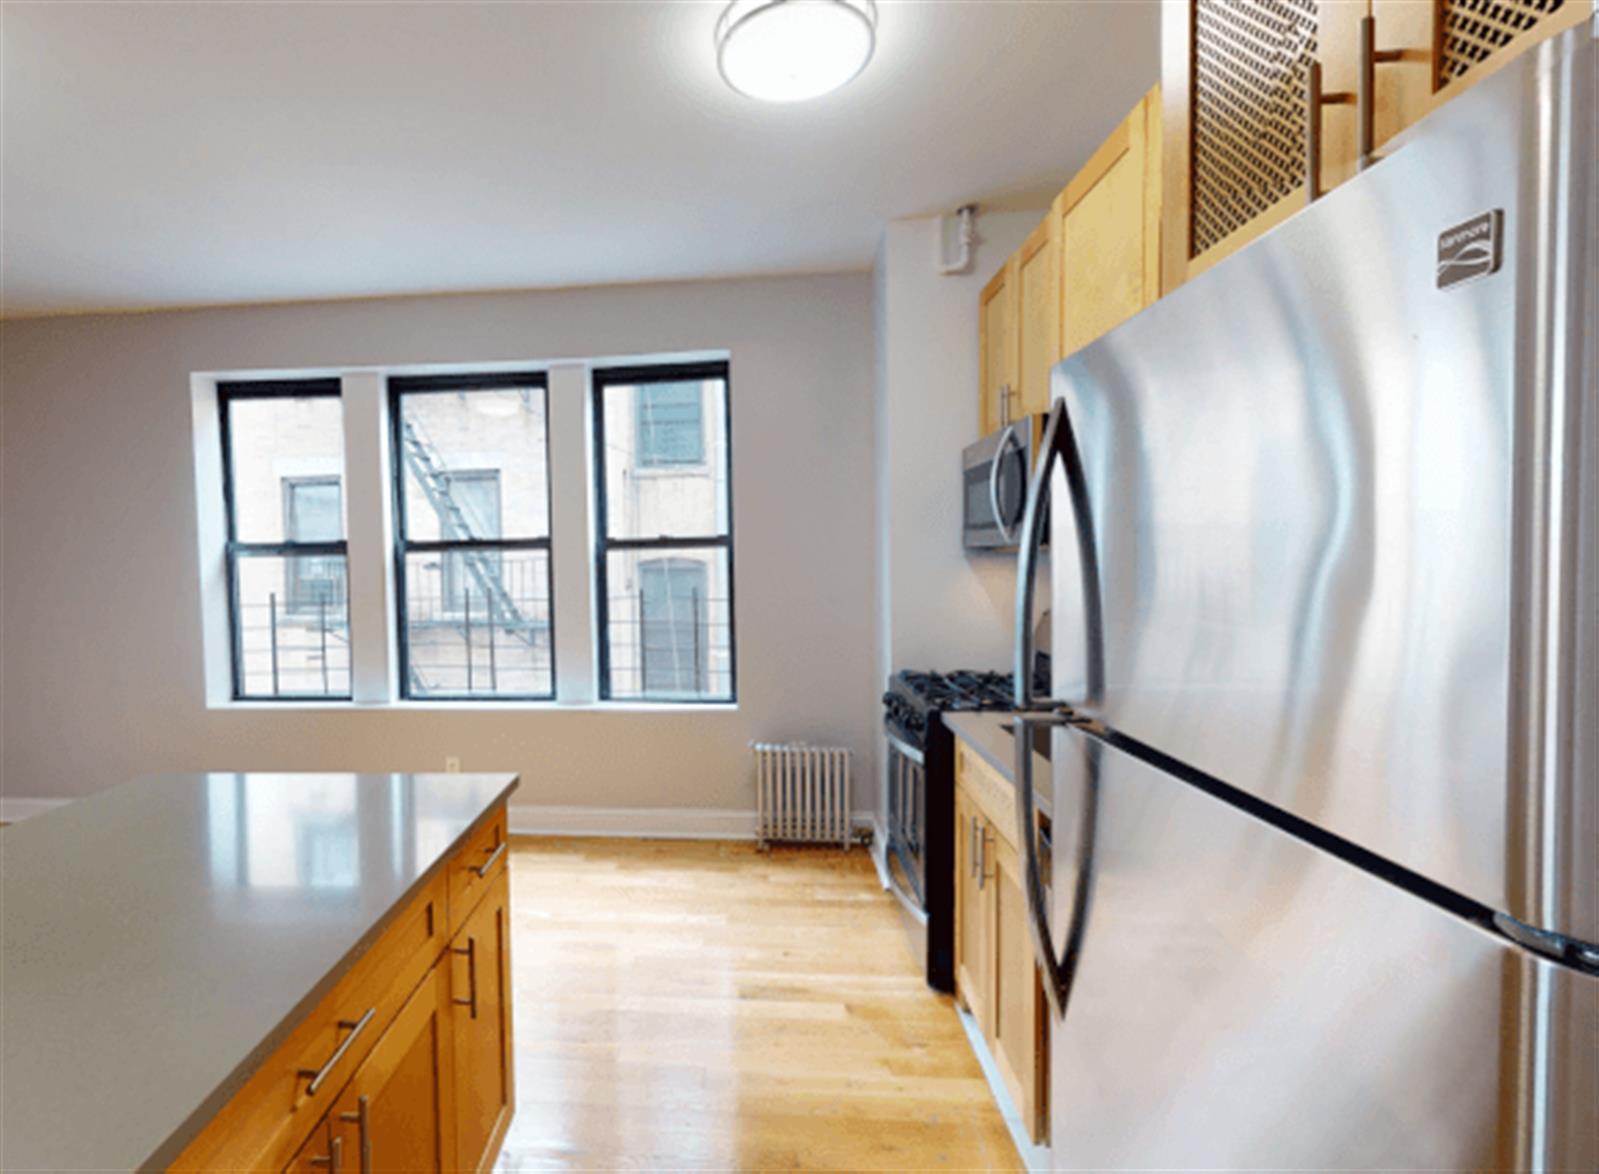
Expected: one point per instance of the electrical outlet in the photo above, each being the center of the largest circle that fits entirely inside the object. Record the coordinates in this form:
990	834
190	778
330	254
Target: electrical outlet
452	765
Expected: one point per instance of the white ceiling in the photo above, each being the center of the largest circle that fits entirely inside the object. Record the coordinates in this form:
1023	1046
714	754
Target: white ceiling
180	154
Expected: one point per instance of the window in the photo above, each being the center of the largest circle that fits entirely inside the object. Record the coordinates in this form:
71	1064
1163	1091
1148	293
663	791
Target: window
664	557
669	425
314	509
283	469
472	565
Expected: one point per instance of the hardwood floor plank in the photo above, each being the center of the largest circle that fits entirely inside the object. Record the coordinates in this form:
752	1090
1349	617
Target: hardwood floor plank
704	1006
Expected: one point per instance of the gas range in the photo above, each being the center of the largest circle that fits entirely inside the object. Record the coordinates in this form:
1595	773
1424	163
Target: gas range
914	695
919	849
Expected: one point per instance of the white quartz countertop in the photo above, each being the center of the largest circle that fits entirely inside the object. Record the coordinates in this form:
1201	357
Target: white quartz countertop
160	939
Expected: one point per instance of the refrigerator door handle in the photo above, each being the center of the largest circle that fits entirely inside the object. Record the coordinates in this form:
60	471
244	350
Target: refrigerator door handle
1056	970
1059	443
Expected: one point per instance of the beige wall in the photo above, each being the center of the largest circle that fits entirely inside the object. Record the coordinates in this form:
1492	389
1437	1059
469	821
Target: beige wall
100	660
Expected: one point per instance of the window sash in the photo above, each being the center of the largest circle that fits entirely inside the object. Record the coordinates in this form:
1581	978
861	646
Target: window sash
604	544
399	388
228	393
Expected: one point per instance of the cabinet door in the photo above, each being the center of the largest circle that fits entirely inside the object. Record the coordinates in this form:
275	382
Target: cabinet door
1402	88
1018	1040
397	1112
1108	225
480	983
1037	317
996	321
321	1153
973	939
1232	83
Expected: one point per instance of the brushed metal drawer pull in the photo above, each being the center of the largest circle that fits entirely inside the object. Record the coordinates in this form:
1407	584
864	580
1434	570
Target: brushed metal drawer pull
483	869
318	1075
334	1158
471	975
360	1119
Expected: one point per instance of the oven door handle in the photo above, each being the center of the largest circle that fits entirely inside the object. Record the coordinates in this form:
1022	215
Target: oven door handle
907	750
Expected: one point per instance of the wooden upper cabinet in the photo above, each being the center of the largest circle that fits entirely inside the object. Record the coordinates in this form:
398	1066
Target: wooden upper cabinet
996	329
480	1028
1037	281
1234	79
1107	223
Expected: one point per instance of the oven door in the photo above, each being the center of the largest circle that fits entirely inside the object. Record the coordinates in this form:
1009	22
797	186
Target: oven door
994	487
904	856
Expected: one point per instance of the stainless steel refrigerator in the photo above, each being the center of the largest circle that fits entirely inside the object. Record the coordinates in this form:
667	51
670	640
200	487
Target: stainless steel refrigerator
1323	887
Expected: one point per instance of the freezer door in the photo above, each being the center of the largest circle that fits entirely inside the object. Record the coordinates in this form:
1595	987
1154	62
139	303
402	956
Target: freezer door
1242	1000
1344	506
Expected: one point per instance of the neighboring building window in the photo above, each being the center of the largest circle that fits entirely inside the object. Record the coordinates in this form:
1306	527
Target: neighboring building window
313	508
473	522
673	659
477	492
665	540
283	468
670	424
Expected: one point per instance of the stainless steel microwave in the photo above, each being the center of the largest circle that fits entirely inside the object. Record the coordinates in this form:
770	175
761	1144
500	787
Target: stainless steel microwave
994	476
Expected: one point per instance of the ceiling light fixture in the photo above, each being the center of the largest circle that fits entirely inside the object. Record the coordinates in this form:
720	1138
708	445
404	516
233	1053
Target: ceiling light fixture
790	50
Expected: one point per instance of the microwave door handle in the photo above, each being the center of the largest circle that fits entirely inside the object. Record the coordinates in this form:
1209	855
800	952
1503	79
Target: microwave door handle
1027	560
1006	439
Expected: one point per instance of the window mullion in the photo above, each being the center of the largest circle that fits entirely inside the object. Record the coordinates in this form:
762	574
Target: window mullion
368	530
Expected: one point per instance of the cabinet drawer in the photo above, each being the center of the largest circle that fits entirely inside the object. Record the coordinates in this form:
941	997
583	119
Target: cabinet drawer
474	867
269	1118
990	791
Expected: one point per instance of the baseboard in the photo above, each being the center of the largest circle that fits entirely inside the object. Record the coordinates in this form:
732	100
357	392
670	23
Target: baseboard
650	823
14	809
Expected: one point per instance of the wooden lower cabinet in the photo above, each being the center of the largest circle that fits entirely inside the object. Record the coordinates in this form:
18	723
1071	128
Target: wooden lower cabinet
996	976
974	953
1020	1018
319	1153
397	1113
480	977
413	1046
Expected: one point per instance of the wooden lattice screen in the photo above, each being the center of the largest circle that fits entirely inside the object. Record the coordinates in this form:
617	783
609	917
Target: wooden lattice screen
1248	133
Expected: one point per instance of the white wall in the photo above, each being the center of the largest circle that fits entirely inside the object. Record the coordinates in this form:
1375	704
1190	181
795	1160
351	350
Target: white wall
940	607
102	674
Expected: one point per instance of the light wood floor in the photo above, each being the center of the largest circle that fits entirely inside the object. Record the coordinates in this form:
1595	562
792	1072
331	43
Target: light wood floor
690	1006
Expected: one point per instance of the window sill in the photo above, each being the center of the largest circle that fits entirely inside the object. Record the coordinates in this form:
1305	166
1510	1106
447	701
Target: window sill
477	706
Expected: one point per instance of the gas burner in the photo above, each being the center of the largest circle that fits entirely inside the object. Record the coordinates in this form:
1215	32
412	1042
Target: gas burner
963	689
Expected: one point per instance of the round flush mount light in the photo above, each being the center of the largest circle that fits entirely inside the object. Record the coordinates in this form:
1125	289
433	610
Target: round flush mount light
790	50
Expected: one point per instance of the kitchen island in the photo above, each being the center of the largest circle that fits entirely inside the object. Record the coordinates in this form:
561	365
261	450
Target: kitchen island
250	971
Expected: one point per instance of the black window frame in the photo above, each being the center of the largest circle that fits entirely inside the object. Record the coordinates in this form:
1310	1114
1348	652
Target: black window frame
400	386
600	379
228	393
